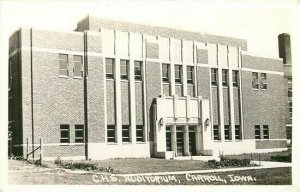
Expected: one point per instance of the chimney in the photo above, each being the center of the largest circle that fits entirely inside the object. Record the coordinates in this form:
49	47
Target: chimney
284	45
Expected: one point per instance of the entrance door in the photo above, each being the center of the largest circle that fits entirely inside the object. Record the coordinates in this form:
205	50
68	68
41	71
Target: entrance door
168	139
179	139
192	141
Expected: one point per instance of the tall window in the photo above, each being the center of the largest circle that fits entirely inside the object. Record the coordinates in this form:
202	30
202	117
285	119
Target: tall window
64	133
63	65
214	77
216	132
190	74
235	78
290	97
265	131
78	66
139	133
238	132
263	79
124	65
109	64
257	132
224	77
178	73
125	133
111	133
79	133
227	132
165	73
168	139
255	84
138	70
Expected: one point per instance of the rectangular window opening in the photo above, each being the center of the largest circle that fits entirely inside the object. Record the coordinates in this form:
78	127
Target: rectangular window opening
238	132
255	84
216	132
235	78
138	70
265	131
178	72
225	77
227	132
214	77
140	133
263	81
79	133
190	74
63	65
64	133
257	132
166	73
111	133
78	66
124	69
125	133
109	64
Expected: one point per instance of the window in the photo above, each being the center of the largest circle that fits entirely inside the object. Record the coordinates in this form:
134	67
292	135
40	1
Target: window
111	133
124	69
238	132
64	133
290	87
257	132
63	65
110	64
79	131
178	73
263	81
224	77
235	78
139	133
10	74
190	74
168	139
78	66
214	77
125	133
138	70
216	132
291	109
265	131
255	84
227	132
165	73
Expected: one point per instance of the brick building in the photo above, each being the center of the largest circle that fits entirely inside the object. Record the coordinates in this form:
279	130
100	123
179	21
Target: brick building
115	89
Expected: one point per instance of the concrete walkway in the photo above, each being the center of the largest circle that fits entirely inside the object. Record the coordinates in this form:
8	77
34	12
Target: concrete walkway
264	165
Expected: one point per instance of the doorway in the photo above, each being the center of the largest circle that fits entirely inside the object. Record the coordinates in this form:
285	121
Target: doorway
179	140
192	141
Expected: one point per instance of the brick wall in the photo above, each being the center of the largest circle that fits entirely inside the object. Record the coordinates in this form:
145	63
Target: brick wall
202	56
237	111
253	62
125	103
226	106
139	107
110	102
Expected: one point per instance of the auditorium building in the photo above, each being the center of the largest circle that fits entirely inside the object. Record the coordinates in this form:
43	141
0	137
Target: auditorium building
114	89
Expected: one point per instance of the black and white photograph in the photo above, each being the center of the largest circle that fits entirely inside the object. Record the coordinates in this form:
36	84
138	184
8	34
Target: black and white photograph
149	95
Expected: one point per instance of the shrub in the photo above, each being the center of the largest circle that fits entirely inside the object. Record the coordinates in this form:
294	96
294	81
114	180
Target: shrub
282	158
224	162
84	165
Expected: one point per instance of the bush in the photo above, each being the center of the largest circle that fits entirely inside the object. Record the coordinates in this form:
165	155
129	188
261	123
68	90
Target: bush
231	163
282	158
83	165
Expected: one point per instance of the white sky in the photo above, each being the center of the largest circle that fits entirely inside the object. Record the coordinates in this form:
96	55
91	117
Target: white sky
259	24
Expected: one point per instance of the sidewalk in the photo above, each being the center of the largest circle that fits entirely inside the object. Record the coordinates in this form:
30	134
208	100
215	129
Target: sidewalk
264	165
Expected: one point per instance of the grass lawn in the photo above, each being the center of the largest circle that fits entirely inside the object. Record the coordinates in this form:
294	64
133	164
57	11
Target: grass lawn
262	156
21	172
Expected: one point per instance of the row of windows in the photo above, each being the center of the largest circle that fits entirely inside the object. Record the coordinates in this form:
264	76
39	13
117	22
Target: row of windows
64	65
225	76
111	133
178	73
259	84
124	69
227	132
65	133
265	134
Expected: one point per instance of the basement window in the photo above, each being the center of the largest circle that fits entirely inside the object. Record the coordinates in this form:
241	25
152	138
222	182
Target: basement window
227	132
140	133
216	132
257	131
64	133
125	133
265	131
238	132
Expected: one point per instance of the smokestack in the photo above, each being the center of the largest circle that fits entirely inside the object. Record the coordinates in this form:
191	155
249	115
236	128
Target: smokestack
284	45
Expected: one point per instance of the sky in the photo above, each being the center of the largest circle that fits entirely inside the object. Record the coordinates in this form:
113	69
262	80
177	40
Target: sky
258	22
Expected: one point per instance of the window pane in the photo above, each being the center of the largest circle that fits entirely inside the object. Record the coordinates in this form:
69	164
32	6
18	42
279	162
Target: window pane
165	72
63	57
138	70
216	132
257	132
125	133
109	64
214	76
63	64
78	58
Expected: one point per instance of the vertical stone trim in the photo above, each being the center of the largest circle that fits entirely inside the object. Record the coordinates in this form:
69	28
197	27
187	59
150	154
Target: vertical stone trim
231	100
118	95
172	69
31	89
195	69
240	91
173	138
186	151
132	95
146	123
175	104
188	107
220	96
184	75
